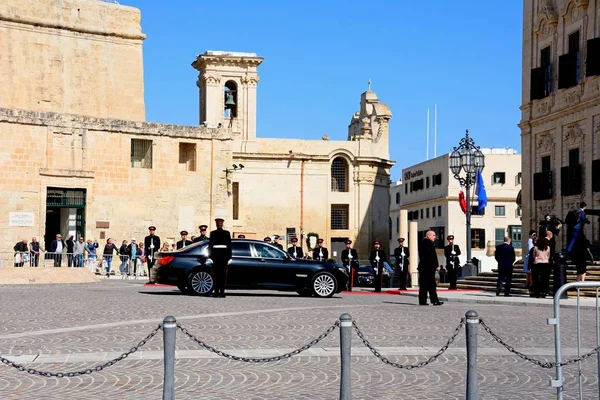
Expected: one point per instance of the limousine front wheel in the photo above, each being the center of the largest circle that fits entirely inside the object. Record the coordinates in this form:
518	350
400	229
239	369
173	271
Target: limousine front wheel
201	283
324	284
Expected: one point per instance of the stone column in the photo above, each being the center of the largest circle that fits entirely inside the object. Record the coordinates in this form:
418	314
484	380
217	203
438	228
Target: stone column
404	224
413	248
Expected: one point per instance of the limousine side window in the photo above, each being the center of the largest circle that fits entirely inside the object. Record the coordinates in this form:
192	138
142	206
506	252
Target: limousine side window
265	251
241	249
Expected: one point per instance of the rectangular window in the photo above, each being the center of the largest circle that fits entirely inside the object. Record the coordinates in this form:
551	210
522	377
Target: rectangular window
499	235
427	212
397	197
475	211
546	64
593	57
574	156
546	162
499	178
432	212
409	215
439	211
519	179
141	153
542	185
397	224
421	216
187	156
405	189
478	238
235	193
571	180
515	232
416	214
568	64
518	212
427	182
500	211
339	216
574	51
439	236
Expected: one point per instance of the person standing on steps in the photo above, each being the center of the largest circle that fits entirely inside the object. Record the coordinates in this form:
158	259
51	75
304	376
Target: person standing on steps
428	265
505	256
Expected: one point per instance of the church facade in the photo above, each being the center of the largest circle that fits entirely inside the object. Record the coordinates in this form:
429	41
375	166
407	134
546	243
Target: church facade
78	156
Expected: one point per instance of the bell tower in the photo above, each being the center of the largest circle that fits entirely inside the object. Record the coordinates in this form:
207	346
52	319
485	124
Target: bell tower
227	83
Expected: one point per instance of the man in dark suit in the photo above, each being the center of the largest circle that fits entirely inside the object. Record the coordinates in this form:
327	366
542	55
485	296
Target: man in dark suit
295	251
350	261
452	251
505	255
428	264
276	242
402	255
377	258
320	253
183	242
202	236
57	246
152	245
219	248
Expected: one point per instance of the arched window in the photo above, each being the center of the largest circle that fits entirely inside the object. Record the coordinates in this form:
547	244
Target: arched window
231	99
339	175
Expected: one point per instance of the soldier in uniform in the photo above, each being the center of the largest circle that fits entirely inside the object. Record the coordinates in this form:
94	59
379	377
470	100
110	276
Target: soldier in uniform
402	257
183	242
276	242
241	236
295	251
320	253
350	261
202	236
219	247
267	239
452	251
377	257
152	244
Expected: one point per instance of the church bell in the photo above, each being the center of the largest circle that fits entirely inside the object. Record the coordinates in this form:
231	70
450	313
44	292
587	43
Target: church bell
229	101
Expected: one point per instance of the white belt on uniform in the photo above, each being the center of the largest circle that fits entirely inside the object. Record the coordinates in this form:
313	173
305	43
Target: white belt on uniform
220	246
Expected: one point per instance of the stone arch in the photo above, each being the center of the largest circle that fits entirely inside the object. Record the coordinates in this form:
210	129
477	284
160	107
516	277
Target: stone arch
340	174
230	91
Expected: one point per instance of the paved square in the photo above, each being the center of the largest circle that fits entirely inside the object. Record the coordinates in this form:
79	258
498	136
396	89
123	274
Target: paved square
63	328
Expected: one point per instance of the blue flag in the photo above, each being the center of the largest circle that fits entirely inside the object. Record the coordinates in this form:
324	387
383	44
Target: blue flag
480	192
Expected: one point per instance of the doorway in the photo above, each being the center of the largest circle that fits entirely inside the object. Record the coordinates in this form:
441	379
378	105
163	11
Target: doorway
65	213
337	246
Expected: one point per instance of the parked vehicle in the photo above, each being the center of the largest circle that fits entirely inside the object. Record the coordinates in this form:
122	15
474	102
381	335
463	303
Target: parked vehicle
366	275
255	265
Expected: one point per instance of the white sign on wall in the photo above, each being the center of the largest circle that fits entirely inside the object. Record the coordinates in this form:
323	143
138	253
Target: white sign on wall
21	219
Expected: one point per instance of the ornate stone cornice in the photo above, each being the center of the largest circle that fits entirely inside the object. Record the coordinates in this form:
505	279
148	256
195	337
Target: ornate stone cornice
211	79
547	19
574	9
573	134
250	80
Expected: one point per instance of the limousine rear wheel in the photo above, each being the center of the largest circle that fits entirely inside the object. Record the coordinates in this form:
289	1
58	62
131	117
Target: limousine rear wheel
201	283
324	284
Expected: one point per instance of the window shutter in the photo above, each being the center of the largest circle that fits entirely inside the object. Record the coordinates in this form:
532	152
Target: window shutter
547	184
537	83
537	185
593	57
596	175
565	184
567	70
576	178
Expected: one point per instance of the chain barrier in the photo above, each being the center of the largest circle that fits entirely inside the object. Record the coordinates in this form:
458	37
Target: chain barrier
431	359
543	364
263	359
87	371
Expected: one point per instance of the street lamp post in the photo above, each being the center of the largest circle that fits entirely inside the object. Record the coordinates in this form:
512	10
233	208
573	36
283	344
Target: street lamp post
468	158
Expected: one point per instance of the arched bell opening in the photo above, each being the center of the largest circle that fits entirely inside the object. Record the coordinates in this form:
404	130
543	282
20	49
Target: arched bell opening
231	99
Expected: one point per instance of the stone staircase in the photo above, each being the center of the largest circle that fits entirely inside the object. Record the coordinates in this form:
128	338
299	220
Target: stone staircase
487	280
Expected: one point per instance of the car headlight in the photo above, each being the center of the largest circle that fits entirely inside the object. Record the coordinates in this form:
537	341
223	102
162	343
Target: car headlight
343	268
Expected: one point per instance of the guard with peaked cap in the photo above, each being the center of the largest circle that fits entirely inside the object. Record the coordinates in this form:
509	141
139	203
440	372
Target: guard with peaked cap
202	236
184	241
151	246
219	248
350	261
267	239
402	256
452	251
276	242
377	258
320	253
295	250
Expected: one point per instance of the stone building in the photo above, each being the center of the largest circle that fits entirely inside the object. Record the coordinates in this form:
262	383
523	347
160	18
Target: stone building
429	193
560	119
77	156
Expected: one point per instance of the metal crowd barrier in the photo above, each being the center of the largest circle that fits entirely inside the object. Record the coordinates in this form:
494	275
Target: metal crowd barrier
97	265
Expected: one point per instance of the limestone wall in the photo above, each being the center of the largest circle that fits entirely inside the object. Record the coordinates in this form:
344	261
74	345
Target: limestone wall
41	150
74	56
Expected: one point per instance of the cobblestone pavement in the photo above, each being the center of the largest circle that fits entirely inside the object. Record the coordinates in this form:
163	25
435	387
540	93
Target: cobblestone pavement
63	328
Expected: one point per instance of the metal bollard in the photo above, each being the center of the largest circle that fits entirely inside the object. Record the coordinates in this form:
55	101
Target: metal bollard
169	331
345	356
472	326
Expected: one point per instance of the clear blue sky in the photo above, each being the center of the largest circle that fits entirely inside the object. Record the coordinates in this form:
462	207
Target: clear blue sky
464	56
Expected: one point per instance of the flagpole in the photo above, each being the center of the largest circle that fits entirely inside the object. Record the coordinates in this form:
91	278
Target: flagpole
427	140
